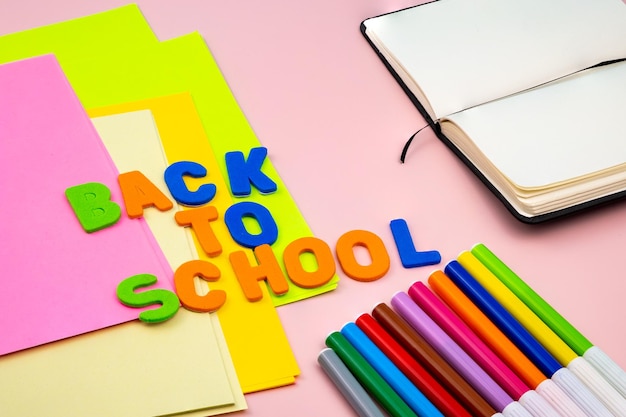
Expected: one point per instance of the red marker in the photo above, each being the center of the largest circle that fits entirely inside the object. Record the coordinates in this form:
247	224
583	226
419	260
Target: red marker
411	368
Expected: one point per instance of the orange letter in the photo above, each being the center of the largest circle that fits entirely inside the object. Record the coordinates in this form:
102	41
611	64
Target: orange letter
199	219
323	255
183	281
266	270
376	248
139	192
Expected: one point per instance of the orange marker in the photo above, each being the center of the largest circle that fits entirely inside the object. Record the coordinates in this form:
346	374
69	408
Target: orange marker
485	329
517	361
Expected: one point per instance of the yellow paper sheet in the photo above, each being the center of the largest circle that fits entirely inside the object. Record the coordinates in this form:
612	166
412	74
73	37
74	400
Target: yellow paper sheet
133	141
256	340
129	370
181	366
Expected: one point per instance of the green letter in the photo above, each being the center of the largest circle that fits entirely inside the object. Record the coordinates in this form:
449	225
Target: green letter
168	300
92	206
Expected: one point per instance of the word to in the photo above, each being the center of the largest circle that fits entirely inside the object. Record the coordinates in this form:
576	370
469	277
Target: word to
94	209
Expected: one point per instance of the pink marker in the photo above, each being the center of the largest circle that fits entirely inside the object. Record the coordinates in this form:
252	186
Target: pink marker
479	351
451	351
463	335
530	402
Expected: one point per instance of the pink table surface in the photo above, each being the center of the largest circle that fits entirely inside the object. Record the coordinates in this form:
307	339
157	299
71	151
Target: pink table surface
335	122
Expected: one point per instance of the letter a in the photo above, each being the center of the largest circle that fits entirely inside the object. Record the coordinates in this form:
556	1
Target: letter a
92	206
139	192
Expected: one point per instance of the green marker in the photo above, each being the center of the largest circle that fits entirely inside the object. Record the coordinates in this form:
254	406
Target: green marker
368	377
564	329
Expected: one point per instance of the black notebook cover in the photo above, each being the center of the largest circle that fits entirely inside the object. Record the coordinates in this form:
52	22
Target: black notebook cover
436	128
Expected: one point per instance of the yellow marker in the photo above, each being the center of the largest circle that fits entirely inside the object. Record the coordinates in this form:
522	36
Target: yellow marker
527	318
598	386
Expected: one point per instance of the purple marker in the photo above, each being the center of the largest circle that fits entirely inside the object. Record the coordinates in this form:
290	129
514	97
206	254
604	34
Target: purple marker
451	351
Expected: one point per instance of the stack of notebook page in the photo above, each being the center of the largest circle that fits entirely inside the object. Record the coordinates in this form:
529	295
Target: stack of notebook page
528	94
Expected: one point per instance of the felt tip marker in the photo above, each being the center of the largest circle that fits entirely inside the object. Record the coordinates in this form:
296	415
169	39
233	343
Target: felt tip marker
347	384
579	392
431	360
437	338
467	340
596	383
390	373
409	366
479	351
368	377
502	345
574	338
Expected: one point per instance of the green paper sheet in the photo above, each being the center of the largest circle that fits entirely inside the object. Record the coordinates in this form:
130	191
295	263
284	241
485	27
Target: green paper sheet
112	30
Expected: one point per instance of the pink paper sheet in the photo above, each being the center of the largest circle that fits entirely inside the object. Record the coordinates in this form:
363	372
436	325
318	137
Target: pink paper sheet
57	280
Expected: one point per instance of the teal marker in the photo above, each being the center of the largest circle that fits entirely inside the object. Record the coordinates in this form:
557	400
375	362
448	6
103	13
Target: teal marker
610	370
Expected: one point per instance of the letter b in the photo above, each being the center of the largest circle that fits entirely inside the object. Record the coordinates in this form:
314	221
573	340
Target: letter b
92	206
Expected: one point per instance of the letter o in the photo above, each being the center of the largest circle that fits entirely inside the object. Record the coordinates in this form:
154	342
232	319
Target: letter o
234	222
376	248
325	262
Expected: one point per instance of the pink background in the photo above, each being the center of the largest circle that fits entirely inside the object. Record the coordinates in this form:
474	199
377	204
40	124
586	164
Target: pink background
335	122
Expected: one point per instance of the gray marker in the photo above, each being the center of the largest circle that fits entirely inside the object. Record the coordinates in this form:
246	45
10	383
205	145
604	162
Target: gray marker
348	385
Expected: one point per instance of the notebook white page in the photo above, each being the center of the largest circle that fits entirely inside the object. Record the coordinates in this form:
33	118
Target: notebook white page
572	128
463	53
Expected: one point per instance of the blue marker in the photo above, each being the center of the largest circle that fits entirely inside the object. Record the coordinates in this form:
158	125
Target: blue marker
502	318
394	377
525	341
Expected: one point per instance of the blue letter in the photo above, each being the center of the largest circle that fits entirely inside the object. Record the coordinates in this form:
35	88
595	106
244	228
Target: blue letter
409	257
234	221
242	173
174	179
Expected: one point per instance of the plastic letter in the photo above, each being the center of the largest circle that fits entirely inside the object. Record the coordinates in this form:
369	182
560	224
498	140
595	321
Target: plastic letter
266	270
242	173
168	300
199	219
139	192
325	262
92	206
175	182
378	253
185	288
234	221
410	257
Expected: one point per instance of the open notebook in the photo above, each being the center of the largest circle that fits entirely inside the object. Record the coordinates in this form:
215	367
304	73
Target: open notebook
529	94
